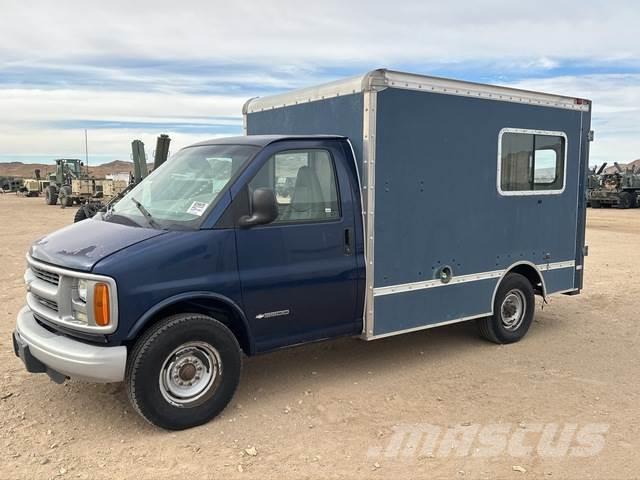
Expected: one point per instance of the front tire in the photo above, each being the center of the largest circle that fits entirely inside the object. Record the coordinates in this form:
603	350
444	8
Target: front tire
66	199
513	310
80	215
51	195
183	371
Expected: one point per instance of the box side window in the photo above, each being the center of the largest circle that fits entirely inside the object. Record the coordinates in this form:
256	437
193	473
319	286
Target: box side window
531	162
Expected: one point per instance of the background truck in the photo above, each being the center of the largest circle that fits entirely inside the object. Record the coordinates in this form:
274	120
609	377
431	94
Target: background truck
33	187
11	184
205	260
111	191
616	189
60	182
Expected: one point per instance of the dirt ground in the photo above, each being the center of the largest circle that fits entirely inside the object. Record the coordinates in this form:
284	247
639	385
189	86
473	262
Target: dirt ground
319	411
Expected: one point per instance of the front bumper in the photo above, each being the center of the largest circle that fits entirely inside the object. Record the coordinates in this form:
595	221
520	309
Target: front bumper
44	351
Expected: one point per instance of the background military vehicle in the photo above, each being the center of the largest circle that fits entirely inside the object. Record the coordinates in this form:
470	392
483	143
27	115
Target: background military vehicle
11	184
116	189
60	181
33	187
619	188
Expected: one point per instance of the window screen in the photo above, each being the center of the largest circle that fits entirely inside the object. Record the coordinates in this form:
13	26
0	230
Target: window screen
304	182
531	162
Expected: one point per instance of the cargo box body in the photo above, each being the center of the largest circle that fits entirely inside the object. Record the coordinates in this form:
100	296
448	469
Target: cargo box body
440	229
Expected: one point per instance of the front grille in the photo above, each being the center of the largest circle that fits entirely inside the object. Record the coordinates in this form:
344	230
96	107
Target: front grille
52	294
47	303
46	276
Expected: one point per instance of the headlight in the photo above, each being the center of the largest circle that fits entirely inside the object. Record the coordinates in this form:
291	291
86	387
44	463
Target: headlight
82	290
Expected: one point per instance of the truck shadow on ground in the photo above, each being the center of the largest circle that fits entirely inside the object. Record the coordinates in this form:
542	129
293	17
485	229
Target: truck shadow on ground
286	374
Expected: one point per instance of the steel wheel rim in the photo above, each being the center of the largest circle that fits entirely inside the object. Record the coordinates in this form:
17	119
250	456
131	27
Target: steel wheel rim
190	374
513	309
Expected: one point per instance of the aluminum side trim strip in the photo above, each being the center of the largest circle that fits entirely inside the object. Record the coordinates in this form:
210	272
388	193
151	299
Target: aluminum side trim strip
474	277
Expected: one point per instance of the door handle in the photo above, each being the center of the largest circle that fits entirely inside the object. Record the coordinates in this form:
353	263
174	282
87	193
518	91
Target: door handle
348	239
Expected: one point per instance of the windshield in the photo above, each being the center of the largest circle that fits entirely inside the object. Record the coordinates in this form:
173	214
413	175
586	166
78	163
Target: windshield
179	192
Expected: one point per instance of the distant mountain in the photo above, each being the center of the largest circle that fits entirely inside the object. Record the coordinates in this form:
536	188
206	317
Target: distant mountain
26	170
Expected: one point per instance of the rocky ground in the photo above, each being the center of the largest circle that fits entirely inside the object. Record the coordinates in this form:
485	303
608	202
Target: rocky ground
333	409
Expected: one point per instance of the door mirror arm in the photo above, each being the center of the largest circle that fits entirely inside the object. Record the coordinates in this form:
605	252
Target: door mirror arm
264	209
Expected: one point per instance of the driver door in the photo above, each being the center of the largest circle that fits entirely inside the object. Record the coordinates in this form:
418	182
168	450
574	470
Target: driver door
298	273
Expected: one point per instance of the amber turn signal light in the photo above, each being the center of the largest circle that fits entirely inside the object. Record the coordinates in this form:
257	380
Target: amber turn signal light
101	304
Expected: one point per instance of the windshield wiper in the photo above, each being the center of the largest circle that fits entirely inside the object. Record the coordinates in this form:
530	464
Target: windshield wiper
146	214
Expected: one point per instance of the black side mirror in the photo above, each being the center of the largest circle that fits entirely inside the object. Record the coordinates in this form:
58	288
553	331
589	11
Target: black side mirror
265	209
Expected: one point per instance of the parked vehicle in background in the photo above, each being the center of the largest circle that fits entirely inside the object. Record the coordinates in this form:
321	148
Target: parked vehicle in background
11	184
205	261
617	189
33	187
60	181
114	190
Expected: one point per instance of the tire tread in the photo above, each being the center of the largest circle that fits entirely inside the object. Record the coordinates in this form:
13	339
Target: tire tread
146	342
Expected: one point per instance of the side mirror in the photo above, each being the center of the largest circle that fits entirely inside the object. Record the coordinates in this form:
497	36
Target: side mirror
265	209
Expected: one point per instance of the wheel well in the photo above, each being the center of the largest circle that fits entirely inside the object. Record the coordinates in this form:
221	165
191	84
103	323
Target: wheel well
531	274
211	307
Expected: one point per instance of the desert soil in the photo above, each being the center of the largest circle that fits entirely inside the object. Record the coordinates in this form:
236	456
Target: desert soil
314	411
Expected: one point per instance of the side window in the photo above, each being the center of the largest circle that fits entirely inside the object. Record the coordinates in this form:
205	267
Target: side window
304	182
531	163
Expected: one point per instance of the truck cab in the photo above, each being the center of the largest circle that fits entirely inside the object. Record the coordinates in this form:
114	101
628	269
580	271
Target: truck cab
206	236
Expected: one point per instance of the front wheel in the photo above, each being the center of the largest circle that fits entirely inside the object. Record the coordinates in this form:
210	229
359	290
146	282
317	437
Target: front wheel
513	310
66	199
183	371
51	195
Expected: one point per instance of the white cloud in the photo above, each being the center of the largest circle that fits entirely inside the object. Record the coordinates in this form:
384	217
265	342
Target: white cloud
102	142
291	32
615	114
39	105
120	60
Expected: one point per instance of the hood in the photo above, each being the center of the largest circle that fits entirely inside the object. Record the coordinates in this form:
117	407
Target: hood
81	245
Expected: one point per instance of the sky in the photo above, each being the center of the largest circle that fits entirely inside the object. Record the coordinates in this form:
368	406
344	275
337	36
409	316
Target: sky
125	70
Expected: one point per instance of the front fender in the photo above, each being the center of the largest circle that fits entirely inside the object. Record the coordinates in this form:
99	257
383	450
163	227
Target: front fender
140	324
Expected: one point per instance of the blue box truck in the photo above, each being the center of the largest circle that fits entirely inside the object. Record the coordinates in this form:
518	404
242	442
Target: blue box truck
372	206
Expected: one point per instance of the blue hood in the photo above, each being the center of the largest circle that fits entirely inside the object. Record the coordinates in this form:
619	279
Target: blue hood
81	245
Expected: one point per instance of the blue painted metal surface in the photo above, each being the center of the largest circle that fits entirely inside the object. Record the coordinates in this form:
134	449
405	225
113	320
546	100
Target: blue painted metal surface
81	245
172	264
559	280
403	311
338	116
440	164
301	268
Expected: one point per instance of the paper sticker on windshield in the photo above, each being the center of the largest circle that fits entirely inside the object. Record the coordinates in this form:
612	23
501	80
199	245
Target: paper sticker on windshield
197	208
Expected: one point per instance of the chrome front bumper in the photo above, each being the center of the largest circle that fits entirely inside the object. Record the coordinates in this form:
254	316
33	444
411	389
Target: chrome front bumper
62	355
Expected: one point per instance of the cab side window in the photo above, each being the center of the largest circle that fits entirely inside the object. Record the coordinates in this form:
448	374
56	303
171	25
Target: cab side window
304	182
